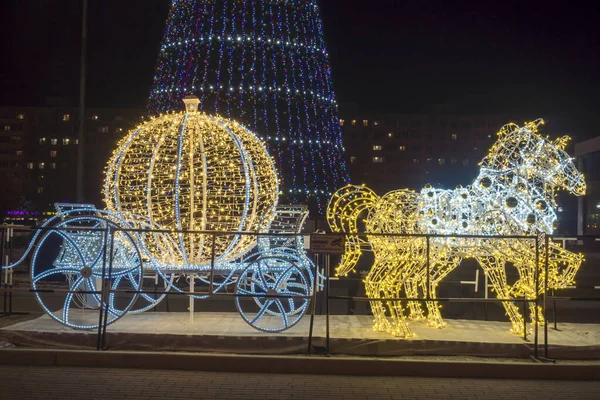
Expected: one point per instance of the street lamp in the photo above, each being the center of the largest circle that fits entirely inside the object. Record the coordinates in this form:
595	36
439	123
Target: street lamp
81	144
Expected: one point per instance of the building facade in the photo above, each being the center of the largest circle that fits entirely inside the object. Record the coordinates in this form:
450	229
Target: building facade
393	151
38	154
588	157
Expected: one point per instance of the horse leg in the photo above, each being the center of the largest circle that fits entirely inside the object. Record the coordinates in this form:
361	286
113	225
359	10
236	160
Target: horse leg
434	316
540	316
496	272
394	284
373	291
438	271
411	286
399	324
562	267
525	287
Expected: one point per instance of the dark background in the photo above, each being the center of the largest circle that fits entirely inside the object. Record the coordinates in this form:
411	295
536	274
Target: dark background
389	56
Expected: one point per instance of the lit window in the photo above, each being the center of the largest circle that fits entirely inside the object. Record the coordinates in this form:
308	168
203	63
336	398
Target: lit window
7	127
53	142
353	122
29	165
19	152
402	148
416	160
40	190
453	161
66	141
66	117
53	153
103	129
95	117
352	159
377	147
76	141
390	134
365	122
375	123
42	140
20	116
429	160
454	136
341	122
41	165
466	161
441	161
377	159
53	165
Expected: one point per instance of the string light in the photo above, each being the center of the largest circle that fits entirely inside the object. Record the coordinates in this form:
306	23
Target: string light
262	63
195	172
513	195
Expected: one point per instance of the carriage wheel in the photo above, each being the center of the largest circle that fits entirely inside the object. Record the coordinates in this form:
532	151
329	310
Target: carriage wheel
266	292
67	266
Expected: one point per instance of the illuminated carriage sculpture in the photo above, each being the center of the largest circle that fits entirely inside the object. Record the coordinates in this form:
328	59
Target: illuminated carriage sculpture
513	195
186	195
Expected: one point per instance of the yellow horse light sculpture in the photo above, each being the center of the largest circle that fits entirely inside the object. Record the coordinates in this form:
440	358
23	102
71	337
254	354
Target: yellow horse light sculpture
513	195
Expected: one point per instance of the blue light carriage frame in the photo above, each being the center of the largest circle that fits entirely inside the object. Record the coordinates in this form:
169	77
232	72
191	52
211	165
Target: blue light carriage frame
96	259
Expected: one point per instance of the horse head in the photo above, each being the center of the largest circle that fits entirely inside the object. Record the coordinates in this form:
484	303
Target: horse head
525	151
560	167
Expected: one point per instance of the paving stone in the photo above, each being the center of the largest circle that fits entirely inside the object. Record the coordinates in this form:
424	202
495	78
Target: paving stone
94	383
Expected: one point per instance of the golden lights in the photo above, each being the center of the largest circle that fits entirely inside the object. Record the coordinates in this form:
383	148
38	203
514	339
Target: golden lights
193	172
513	195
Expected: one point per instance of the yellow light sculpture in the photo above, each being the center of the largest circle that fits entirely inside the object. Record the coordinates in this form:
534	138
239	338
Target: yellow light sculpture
194	172
513	195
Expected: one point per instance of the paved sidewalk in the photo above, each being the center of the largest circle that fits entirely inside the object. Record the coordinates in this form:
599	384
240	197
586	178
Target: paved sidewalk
111	383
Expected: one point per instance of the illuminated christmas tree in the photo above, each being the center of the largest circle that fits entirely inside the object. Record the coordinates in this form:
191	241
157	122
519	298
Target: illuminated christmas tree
264	64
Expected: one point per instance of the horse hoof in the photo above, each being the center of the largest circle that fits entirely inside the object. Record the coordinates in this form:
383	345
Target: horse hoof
436	324
403	333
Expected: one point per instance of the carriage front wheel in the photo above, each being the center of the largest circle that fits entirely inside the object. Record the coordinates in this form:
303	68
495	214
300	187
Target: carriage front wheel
272	293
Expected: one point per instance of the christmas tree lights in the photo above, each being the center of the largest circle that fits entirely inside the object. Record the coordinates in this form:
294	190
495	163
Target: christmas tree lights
264	64
513	195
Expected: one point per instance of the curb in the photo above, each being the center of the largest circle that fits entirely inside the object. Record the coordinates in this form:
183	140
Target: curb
296	364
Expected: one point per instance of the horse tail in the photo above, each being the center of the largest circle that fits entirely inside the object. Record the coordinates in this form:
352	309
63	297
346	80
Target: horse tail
343	211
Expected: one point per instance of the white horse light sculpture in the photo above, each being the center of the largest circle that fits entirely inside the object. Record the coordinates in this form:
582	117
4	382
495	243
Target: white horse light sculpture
513	195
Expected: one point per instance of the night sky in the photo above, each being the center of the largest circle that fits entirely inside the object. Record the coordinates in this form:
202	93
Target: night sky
391	56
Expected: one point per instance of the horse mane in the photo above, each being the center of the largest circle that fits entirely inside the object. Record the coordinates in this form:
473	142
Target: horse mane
514	142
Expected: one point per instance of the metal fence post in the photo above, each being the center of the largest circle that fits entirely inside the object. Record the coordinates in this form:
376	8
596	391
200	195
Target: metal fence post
100	317
212	263
546	244
428	266
3	285
107	286
327	294
537	297
525	304
312	308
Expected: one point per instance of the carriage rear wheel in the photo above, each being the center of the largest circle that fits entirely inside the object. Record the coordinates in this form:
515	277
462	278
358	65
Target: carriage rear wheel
272	293
76	271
